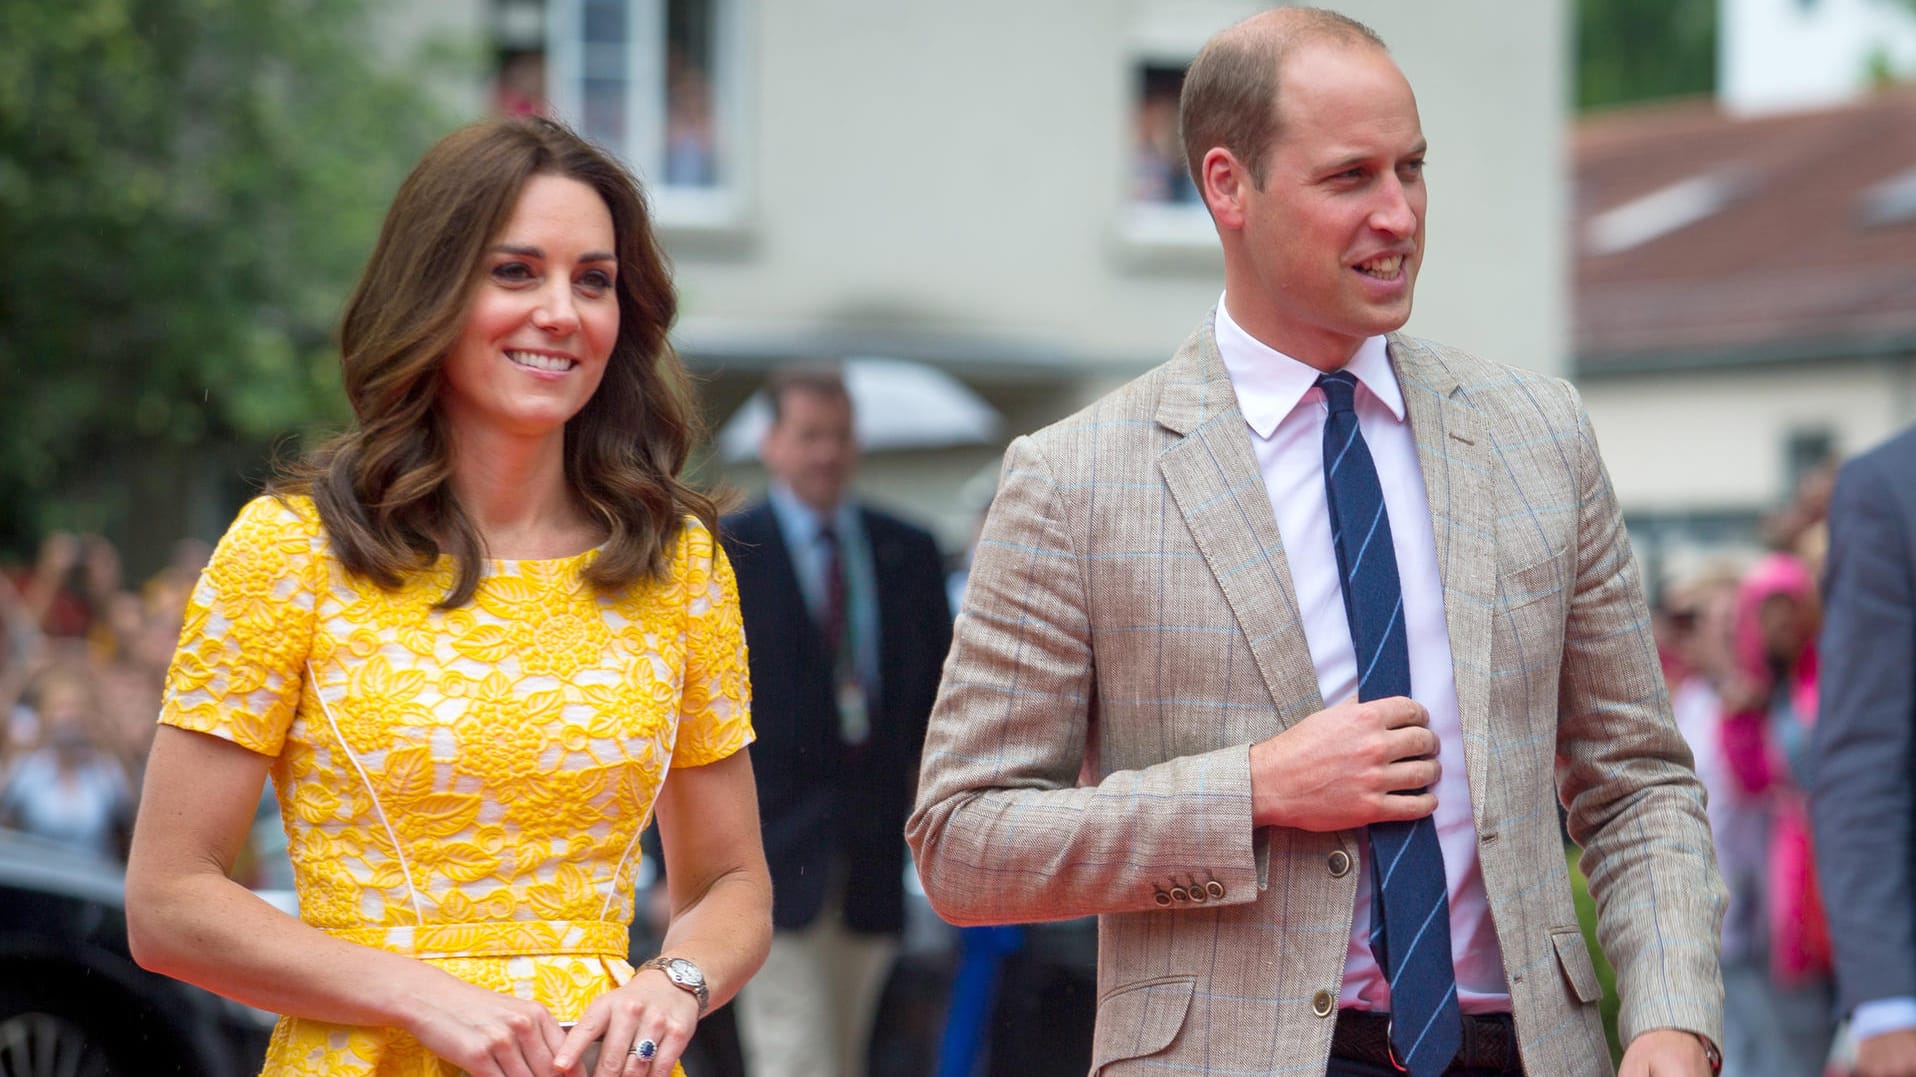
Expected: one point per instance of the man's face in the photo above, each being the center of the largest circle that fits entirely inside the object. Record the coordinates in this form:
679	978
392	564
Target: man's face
1332	240
810	447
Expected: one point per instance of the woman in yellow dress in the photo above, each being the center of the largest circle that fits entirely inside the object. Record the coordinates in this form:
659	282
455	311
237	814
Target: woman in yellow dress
476	641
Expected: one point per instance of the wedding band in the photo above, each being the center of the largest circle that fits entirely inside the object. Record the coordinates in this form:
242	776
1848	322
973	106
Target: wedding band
644	1050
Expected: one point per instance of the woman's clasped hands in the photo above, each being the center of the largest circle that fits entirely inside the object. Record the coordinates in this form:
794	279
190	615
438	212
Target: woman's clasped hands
642	1028
487	1034
635	1031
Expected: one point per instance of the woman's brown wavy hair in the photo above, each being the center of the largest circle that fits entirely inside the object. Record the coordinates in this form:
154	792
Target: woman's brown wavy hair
383	488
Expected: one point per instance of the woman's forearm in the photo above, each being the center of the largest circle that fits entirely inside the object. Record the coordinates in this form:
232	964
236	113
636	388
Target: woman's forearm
209	930
188	919
726	931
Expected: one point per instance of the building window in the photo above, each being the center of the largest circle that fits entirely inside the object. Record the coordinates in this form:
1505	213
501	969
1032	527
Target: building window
1804	452
1159	175
519	89
519	58
1161	207
658	83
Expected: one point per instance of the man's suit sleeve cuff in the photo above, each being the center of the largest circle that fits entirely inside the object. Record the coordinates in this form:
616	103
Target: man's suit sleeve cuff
1880	1015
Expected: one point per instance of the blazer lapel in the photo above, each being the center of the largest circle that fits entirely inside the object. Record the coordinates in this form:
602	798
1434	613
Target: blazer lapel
786	594
1455	455
1213	477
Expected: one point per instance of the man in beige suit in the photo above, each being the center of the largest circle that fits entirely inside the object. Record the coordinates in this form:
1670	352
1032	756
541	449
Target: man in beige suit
1133	719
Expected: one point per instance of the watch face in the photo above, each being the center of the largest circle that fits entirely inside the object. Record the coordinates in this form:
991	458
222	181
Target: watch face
685	972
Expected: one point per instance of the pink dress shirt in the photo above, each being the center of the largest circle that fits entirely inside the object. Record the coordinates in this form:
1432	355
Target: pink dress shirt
1285	412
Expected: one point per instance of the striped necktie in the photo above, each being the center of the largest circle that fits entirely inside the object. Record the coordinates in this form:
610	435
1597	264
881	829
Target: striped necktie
1410	915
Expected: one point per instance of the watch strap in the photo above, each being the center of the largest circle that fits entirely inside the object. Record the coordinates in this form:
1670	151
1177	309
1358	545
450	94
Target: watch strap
696	986
1711	1054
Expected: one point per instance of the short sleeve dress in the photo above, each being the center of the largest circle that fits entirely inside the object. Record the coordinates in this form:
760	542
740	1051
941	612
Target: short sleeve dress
465	786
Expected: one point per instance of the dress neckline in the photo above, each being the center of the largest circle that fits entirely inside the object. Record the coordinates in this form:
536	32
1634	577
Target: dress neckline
502	565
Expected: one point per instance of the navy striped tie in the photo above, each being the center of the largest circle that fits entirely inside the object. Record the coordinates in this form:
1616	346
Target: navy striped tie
1410	915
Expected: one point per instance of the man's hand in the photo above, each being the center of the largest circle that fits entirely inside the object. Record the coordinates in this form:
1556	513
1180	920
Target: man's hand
1887	1054
1665	1052
1343	767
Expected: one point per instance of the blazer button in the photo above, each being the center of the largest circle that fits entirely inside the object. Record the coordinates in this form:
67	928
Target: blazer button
1197	894
1180	895
1215	889
1323	1004
1339	863
1163	899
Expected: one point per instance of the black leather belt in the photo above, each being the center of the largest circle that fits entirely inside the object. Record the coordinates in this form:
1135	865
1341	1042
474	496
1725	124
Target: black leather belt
1490	1041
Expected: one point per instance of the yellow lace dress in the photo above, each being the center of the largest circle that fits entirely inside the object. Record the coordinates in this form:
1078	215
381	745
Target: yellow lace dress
466	786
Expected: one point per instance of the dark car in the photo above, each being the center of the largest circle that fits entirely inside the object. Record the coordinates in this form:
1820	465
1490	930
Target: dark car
71	999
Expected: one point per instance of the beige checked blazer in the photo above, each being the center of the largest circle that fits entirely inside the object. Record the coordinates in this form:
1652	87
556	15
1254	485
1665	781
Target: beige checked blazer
1130	628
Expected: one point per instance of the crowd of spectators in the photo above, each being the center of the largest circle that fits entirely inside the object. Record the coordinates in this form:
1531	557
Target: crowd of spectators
1738	639
83	656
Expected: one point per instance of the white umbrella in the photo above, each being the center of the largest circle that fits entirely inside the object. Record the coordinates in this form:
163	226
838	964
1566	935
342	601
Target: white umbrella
896	404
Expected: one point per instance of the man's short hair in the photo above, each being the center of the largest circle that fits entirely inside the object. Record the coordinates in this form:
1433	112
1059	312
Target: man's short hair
822	379
1230	90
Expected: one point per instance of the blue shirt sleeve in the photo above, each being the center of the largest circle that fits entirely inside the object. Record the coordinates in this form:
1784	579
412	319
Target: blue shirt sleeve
1881	1015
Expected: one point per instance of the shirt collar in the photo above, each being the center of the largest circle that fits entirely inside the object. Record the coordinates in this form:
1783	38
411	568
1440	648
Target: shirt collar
802	523
1270	384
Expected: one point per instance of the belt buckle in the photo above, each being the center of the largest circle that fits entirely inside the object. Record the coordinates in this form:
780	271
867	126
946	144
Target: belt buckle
1390	1049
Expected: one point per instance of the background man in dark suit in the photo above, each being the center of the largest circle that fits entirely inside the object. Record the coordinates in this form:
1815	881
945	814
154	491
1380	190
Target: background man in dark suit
1863	806
847	623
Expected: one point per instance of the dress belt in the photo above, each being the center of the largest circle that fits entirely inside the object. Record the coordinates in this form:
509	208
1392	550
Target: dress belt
494	938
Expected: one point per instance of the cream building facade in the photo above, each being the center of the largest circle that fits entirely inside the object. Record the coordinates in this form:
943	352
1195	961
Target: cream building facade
960	185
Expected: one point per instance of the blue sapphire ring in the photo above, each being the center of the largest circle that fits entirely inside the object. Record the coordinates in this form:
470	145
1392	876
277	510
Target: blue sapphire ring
645	1049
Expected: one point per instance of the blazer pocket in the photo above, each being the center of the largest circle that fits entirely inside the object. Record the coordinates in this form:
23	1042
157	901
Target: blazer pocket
1141	1019
1574	955
1534	582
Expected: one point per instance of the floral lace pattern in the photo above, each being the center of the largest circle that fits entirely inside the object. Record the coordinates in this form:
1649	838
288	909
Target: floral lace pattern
466	786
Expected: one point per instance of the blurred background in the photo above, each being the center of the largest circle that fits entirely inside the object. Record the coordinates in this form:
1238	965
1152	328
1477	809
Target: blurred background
1700	211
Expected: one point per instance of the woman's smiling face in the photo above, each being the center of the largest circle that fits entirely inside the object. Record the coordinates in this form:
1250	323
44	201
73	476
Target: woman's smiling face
543	317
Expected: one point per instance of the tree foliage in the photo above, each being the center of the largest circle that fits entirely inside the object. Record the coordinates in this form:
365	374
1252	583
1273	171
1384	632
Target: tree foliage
187	191
1643	50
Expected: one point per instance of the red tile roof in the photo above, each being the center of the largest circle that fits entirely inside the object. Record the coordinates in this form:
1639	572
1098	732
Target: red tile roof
1789	268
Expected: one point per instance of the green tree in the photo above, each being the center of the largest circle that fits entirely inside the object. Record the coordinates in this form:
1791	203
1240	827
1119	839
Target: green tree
1643	50
187	191
1880	66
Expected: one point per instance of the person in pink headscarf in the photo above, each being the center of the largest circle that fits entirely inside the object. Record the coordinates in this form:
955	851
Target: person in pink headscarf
1768	711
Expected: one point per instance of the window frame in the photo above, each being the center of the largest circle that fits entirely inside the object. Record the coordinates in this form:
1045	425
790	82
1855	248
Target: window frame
721	208
1153	230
